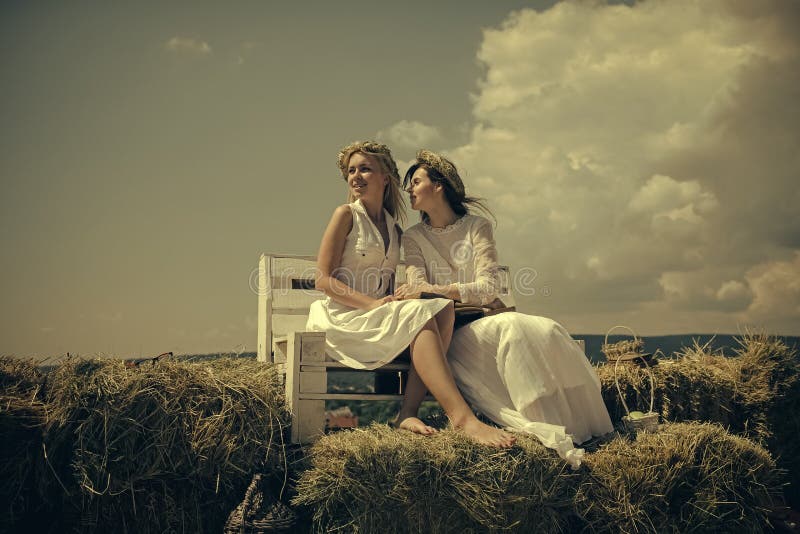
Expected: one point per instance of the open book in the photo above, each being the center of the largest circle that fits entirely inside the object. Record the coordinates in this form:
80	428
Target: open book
466	313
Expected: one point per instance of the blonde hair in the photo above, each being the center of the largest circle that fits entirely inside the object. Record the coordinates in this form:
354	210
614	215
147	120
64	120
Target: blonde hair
393	200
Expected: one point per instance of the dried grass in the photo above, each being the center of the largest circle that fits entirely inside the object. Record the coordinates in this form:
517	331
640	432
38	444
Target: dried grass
19	377
755	394
379	479
22	416
686	477
168	447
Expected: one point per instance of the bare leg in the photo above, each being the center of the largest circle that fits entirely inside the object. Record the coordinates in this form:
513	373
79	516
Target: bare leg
445	320
413	397
415	389
431	364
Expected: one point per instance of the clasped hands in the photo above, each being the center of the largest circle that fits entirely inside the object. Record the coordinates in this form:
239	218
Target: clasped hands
406	292
402	292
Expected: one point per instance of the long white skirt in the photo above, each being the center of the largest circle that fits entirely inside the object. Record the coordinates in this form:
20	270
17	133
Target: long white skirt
526	373
367	339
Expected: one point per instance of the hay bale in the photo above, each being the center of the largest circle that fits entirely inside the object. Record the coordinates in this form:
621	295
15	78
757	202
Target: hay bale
384	480
21	423
22	417
686	477
755	394
159	447
19	376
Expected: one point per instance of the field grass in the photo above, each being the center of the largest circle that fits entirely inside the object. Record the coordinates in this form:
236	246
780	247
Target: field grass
95	446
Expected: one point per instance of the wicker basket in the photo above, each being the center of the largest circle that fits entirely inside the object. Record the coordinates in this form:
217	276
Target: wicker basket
648	421
259	512
627	350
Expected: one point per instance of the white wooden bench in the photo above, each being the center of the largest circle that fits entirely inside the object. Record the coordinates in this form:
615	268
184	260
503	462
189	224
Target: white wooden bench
285	293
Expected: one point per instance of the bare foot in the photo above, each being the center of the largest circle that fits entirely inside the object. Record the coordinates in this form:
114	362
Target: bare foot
487	435
415	425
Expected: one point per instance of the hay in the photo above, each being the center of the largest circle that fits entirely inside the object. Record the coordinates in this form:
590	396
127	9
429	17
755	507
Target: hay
22	417
159	447
379	479
19	376
687	477
755	394
21	422
691	476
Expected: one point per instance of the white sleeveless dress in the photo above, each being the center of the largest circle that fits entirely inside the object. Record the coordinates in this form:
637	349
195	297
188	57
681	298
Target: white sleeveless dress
367	339
523	372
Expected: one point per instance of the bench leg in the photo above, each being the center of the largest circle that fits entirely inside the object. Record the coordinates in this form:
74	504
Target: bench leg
308	416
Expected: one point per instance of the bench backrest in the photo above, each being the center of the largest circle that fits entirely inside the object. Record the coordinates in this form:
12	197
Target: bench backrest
286	291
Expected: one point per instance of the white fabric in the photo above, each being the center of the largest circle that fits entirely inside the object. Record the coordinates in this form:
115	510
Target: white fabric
463	253
523	372
367	339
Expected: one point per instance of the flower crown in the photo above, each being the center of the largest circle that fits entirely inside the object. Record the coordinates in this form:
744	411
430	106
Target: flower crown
371	148
444	167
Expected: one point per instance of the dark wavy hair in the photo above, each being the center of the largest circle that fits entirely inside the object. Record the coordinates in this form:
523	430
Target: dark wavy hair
460	204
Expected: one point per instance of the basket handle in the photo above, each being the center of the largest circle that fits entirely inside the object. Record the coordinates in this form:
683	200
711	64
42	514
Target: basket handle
635	337
652	386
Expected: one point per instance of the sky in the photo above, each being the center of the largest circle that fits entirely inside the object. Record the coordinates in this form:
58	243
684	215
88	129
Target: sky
641	159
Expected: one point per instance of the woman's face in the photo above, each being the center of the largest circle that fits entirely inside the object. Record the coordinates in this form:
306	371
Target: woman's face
423	193
365	177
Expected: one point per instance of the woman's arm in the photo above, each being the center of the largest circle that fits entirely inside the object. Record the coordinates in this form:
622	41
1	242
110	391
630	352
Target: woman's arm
330	257
416	275
483	289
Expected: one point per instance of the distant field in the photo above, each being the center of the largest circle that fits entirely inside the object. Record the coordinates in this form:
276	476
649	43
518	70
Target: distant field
672	344
726	343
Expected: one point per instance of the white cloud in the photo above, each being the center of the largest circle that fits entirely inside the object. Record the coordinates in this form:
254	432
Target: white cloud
641	158
664	195
776	293
408	135
188	44
734	293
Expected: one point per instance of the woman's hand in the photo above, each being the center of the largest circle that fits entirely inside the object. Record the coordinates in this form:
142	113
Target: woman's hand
380	302
406	292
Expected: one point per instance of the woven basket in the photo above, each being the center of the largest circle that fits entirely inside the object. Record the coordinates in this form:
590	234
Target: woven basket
648	421
259	512
627	350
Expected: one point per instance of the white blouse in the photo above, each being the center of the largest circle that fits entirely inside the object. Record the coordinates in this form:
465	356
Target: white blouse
463	253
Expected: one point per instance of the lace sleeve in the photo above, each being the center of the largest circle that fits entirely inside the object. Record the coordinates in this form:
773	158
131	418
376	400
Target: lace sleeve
416	273
483	289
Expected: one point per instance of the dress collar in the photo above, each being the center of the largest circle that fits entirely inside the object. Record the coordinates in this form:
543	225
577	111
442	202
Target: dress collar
363	209
447	229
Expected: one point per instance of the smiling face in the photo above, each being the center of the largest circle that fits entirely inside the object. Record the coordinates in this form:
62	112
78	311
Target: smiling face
423	192
366	178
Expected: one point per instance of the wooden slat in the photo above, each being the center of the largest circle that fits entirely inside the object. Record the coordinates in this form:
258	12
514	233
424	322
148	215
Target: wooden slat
350	396
295	299
355	396
264	327
282	324
339	365
284	268
505	293
308	415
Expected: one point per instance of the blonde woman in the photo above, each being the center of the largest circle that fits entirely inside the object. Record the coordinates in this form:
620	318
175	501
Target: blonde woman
523	372
365	325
